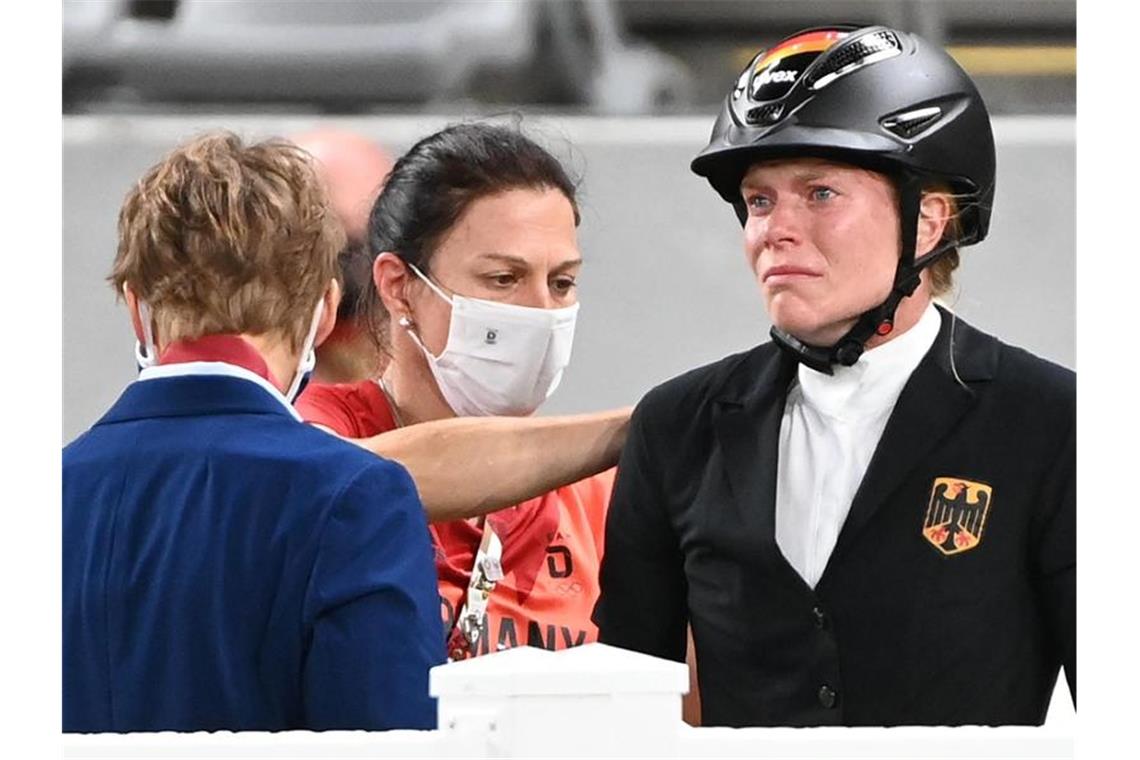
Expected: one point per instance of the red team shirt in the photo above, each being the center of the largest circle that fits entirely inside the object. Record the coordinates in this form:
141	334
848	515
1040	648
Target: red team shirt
552	545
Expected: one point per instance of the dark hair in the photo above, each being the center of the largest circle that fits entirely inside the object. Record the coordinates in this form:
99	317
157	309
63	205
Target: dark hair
432	184
354	272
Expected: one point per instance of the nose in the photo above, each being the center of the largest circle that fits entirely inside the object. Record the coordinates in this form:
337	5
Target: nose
537	295
782	225
778	229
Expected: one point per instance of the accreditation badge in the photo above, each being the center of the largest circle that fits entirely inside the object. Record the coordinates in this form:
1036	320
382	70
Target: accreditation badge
956	516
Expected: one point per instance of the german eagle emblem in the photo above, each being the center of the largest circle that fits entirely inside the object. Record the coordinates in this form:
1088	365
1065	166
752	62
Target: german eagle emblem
957	514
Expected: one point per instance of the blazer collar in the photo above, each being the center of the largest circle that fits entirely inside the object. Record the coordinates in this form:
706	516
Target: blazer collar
188	394
766	368
975	354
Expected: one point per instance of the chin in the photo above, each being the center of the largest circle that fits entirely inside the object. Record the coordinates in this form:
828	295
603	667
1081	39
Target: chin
810	337
810	329
812	323
794	318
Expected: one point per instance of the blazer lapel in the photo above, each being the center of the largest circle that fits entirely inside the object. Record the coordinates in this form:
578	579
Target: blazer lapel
930	405
748	431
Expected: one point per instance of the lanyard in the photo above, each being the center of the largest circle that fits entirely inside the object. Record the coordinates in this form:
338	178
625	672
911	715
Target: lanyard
485	574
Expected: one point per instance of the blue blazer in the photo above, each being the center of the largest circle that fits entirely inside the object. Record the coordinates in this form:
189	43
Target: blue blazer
228	567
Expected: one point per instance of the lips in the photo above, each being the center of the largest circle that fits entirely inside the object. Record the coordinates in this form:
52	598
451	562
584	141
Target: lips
787	273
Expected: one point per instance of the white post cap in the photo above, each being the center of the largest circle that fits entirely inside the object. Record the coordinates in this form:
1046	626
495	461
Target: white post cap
587	669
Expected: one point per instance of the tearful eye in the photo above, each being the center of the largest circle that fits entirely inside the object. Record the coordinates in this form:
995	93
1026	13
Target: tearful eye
758	202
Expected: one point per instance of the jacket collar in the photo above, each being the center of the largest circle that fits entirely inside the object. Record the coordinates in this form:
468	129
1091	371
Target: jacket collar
766	368
975	354
228	348
195	389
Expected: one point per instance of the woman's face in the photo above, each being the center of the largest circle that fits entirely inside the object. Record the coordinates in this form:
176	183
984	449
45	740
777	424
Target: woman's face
519	247
822	240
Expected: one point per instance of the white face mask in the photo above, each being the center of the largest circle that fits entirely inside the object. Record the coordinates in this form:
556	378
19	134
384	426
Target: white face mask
500	359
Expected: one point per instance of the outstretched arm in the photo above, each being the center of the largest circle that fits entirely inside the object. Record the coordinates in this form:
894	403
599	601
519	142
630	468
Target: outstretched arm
469	466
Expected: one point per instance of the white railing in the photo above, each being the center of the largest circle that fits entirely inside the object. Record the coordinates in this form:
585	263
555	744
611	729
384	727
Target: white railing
591	701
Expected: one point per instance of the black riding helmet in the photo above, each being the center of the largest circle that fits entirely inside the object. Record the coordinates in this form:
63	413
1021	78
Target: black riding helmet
873	97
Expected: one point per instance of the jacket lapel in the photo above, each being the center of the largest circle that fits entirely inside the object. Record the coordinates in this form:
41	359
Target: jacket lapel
748	431
931	404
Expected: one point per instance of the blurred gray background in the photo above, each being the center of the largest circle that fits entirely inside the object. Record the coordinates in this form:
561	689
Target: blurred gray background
665	286
624	91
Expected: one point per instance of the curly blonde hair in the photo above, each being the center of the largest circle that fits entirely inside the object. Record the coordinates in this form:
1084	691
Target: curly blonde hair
223	237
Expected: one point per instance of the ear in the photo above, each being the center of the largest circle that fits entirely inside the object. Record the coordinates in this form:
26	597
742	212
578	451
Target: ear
133	307
934	213
391	276
327	322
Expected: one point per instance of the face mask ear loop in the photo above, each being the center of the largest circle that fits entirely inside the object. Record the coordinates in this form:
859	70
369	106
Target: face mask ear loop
146	352
430	284
408	328
407	324
308	355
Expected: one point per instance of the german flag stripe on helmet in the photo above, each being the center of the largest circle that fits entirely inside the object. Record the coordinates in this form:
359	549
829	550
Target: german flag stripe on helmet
811	42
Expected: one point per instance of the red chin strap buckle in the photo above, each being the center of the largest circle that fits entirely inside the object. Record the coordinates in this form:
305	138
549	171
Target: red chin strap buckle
885	327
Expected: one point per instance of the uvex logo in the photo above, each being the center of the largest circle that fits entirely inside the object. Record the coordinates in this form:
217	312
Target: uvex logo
765	77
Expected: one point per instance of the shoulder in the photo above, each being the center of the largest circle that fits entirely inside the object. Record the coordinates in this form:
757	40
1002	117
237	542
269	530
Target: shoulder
1038	393
354	492
693	391
1017	373
338	392
317	450
273	465
312	464
81	447
354	410
1036	376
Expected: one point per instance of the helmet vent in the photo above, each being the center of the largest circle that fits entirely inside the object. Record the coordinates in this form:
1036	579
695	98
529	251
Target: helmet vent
911	123
768	114
854	55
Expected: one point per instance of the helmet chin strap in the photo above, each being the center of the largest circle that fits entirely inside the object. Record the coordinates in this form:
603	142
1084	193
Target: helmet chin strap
879	320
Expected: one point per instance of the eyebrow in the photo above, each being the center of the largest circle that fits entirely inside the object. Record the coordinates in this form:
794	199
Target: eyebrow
524	264
807	175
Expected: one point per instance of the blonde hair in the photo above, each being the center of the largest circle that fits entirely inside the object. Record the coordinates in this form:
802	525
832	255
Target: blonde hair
942	270
222	237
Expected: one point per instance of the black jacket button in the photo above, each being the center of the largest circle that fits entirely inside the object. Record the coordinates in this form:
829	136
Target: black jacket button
827	696
820	618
